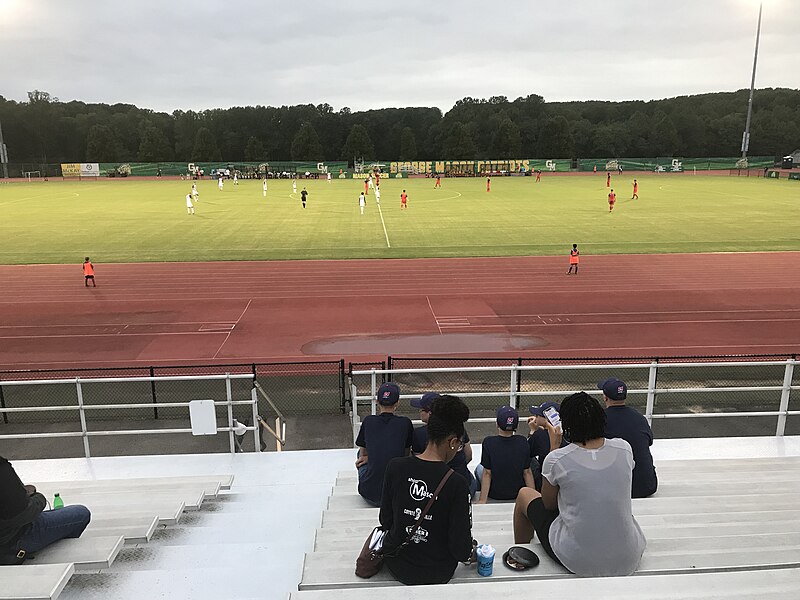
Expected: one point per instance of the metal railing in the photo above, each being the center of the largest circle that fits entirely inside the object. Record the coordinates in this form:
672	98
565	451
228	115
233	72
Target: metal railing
651	393
82	408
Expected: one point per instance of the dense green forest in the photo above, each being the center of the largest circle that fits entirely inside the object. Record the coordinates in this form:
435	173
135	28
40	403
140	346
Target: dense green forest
46	130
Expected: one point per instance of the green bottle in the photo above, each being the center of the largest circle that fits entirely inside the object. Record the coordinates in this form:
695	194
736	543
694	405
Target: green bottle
58	502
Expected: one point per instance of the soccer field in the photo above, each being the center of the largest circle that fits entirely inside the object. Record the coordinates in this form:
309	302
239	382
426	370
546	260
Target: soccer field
134	221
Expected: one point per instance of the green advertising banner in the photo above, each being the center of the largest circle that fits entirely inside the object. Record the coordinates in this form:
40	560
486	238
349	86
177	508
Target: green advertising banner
182	168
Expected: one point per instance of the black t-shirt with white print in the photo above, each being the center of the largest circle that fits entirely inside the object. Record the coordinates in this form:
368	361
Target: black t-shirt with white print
445	536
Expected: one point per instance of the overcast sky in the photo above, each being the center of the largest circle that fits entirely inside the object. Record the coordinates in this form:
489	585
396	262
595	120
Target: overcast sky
171	54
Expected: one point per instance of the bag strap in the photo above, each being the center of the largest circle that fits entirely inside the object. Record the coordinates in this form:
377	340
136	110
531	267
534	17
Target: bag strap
428	506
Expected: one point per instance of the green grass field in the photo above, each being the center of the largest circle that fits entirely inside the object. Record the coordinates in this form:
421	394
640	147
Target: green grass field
132	221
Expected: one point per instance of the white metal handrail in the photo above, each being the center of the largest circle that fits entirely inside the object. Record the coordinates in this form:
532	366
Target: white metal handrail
652	391
81	407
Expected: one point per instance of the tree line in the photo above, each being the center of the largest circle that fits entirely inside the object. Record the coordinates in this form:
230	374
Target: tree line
46	130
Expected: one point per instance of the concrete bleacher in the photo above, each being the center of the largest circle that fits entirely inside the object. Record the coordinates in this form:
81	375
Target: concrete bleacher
124	511
735	522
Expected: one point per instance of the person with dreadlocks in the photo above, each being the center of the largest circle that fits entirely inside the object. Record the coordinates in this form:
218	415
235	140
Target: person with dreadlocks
583	516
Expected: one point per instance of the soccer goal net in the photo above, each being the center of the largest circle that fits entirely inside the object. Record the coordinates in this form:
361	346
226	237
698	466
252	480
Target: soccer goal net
32	175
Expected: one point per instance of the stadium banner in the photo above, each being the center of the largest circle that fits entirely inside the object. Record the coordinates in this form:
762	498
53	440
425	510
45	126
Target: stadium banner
90	170
167	169
478	167
70	169
670	164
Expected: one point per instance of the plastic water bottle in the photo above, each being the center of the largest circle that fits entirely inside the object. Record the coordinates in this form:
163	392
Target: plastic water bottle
485	553
58	502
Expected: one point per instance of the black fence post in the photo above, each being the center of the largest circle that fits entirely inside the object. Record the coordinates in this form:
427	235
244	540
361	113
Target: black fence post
3	404
153	393
342	386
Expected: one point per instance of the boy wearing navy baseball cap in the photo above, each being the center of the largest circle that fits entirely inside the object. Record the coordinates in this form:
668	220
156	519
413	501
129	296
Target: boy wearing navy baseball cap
505	460
381	438
627	423
420	441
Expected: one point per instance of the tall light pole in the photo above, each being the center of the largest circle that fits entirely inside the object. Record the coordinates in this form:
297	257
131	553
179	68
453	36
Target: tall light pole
746	134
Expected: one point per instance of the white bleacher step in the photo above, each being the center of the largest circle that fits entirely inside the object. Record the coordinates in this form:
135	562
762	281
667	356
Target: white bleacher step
34	582
167	512
135	529
738	585
192	498
211	487
652	505
331	538
775	485
86	553
331	570
755	516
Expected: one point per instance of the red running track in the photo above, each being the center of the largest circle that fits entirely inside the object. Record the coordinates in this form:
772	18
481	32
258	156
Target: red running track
619	305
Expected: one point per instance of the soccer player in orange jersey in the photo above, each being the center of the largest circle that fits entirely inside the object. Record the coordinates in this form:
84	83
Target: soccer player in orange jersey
612	198
438	183
608	180
488	184
88	272
403	200
635	190
574	259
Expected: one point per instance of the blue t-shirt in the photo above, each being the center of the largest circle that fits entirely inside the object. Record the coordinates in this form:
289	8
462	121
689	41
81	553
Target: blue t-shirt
459	462
626	423
539	445
507	458
385	436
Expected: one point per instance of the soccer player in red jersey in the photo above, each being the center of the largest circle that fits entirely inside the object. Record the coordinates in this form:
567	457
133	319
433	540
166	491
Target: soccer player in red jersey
366	187
608	180
612	198
635	190
538	176
488	184
438	183
403	200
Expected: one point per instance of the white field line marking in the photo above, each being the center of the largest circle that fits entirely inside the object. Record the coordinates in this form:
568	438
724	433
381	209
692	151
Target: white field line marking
232	328
434	316
618	323
226	324
380	212
91	335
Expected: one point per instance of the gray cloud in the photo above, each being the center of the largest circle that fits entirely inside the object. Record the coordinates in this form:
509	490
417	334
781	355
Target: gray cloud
172	54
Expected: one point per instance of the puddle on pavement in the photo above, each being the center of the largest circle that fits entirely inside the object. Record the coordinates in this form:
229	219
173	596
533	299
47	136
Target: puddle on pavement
448	343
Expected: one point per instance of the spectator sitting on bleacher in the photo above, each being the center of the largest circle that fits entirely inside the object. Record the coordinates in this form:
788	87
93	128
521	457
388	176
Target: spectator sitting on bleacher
505	460
25	527
381	438
583	516
445	536
627	423
539	441
420	441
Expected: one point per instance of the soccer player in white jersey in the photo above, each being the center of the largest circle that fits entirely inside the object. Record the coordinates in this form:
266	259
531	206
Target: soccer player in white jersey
265	187
362	202
329	177
189	205
219	183
235	178
194	192
369	182
378	194
294	185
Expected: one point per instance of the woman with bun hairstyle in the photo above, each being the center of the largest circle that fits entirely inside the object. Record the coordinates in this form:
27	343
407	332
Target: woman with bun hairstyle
583	516
445	536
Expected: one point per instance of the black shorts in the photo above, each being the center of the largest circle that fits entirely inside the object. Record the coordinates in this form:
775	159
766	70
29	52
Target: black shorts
541	519
88	277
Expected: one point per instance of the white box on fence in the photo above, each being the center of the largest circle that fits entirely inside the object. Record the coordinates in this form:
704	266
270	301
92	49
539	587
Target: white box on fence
203	417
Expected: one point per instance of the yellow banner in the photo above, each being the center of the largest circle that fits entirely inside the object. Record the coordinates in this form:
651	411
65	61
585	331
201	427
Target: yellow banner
70	169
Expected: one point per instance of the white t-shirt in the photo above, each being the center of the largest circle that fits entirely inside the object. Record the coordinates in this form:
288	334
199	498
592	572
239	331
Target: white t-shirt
377	193
329	176
595	534
361	200
265	185
188	201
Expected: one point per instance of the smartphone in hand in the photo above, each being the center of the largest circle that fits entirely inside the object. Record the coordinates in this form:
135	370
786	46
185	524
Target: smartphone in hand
552	416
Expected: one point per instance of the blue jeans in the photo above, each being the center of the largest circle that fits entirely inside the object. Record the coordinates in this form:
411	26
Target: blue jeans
53	525
362	471
478	477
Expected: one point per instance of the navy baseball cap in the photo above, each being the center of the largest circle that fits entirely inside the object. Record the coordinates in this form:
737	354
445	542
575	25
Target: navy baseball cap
539	410
426	401
388	394
507	418
614	389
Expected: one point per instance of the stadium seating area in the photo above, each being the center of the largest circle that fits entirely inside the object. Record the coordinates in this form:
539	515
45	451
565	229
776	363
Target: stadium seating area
731	525
124	512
